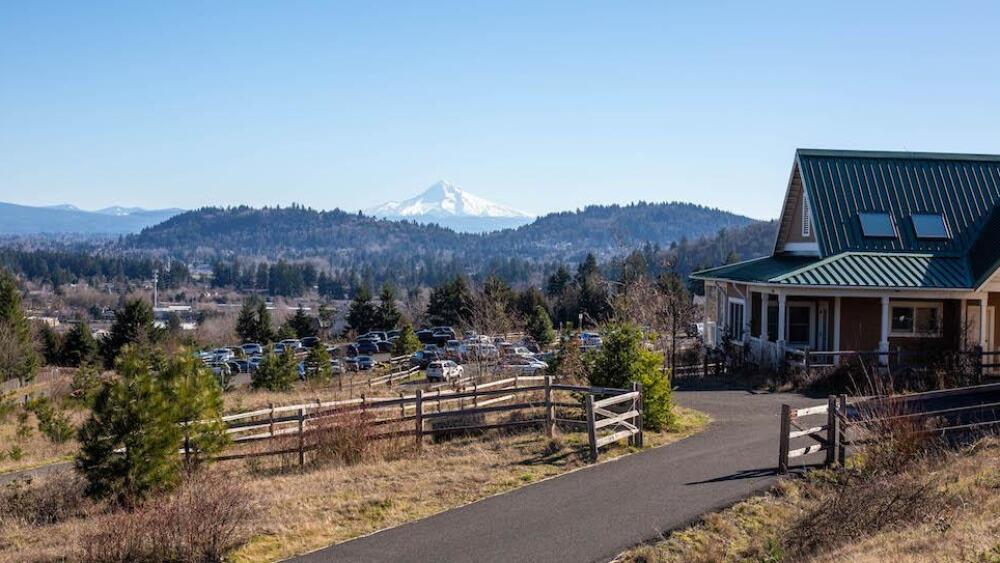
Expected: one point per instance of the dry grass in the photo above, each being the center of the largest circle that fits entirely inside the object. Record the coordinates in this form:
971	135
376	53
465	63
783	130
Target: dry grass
22	445
940	508
331	504
329	501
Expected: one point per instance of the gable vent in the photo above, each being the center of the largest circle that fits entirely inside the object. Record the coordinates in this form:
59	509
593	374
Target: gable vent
806	216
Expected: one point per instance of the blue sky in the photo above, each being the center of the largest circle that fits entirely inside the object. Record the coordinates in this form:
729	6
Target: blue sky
541	106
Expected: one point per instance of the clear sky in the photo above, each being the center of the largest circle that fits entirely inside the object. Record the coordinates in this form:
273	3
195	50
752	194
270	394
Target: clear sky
543	106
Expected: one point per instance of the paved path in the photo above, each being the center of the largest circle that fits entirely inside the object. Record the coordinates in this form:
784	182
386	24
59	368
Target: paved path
596	513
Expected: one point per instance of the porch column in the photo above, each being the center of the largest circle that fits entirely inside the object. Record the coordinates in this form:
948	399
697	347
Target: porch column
963	324
781	323
983	330
765	303
836	329
883	343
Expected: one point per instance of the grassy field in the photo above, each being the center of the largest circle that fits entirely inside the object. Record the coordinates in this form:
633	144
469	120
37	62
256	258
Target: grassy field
944	507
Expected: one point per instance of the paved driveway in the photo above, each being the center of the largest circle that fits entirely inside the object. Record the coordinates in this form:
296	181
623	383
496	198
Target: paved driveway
595	513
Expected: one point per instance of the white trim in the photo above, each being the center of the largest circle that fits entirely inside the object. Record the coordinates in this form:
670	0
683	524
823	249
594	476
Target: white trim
854	291
939	306
743	322
801	247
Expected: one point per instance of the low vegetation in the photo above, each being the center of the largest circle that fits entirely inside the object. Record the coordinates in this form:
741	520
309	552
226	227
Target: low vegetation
904	501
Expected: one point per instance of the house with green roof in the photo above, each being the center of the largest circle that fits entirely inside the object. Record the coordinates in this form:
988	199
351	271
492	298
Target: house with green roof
875	251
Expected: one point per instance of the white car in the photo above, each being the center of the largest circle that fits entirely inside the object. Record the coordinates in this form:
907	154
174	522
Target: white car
520	365
444	370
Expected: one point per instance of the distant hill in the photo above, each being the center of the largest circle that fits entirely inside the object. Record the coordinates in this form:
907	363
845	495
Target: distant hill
63	219
353	240
452	207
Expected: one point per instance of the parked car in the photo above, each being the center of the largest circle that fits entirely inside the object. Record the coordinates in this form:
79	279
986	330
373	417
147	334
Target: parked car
366	363
470	335
239	366
220	370
376	334
425	336
310	342
444	370
393	334
336	367
291	343
454	350
222	355
444	330
279	348
590	340
367	347
351	350
351	364
479	352
251	348
520	365
384	346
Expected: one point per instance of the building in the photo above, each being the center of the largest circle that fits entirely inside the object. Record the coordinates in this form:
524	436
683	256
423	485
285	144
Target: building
875	251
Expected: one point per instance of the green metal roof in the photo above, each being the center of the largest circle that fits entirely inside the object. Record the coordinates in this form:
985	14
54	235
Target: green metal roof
898	271
964	189
850	269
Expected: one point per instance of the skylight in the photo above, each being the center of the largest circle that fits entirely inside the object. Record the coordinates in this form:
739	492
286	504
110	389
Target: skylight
929	225
877	225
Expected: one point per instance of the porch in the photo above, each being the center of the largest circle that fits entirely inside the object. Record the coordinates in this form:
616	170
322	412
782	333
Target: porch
809	327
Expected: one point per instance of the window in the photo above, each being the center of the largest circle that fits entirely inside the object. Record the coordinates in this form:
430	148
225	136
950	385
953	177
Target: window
929	226
800	324
736	309
877	225
915	319
806	216
772	323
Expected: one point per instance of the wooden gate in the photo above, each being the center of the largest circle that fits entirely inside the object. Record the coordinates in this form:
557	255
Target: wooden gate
615	418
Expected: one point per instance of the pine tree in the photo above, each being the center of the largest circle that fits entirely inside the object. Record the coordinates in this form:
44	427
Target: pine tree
387	314
407	343
133	325
79	347
451	303
539	326
277	372
254	322
317	365
362	315
128	446
196	393
18	359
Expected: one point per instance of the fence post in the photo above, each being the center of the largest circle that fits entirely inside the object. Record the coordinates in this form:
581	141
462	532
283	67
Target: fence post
786	424
270	420
637	387
805	359
550	412
842	441
302	436
420	419
832	431
591	430
475	397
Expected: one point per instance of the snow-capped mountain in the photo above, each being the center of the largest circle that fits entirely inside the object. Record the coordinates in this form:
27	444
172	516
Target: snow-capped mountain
453	207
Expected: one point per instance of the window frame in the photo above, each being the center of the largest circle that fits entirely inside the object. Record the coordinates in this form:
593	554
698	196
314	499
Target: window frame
811	306
736	332
892	225
914	305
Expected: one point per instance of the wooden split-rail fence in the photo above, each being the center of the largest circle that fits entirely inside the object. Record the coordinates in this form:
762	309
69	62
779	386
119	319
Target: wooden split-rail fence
609	415
839	423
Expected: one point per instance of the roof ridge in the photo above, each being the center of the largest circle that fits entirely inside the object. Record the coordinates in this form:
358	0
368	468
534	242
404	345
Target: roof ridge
898	155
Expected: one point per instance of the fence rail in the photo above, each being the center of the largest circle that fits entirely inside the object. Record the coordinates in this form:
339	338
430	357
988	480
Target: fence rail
842	427
466	408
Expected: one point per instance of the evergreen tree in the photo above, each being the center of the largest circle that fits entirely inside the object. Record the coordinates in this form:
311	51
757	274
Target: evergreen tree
539	326
362	315
387	314
277	372
302	324
254	322
450	303
18	359
197	396
128	446
317	365
79	347
133	325
407	343
558	281
623	359
52	345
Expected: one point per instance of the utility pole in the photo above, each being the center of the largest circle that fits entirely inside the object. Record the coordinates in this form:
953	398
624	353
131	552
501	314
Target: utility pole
156	281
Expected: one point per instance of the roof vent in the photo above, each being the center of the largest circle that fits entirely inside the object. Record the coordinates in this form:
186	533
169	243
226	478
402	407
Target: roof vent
877	225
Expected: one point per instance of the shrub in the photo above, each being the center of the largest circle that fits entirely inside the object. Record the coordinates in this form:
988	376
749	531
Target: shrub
86	384
277	372
407	343
39	503
53	423
317	365
207	517
622	360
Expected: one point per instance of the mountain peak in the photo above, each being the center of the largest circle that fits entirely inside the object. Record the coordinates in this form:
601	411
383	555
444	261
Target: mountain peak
444	199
